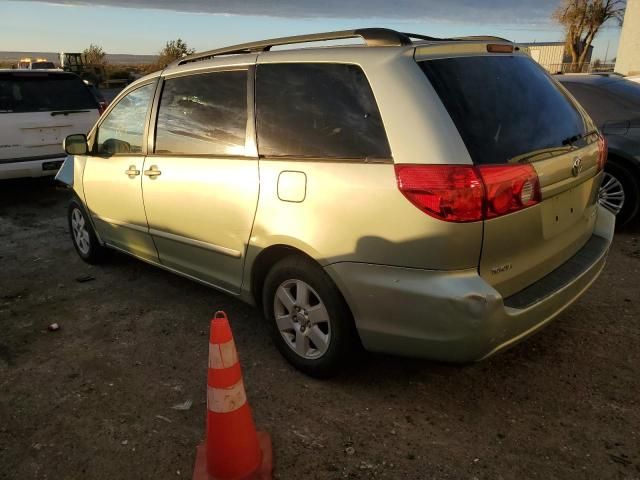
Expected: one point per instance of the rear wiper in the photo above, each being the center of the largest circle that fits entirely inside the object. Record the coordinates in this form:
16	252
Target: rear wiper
570	140
67	112
575	138
529	157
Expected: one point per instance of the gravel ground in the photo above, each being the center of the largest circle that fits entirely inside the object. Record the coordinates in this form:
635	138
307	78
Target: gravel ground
93	400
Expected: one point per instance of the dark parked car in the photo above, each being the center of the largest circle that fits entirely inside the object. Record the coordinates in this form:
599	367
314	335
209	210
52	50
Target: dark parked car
614	104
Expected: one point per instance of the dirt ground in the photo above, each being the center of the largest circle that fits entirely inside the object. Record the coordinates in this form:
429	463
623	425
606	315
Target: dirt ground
93	400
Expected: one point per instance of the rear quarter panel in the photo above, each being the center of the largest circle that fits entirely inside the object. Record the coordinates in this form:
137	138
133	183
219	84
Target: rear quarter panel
354	212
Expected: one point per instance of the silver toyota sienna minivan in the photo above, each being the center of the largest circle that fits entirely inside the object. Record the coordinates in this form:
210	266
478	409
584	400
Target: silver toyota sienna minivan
418	196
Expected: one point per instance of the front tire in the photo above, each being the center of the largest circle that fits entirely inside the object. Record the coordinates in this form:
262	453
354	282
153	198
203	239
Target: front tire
83	236
310	322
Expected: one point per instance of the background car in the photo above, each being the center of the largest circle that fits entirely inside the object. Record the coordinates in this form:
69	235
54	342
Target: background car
103	103
43	65
38	109
613	102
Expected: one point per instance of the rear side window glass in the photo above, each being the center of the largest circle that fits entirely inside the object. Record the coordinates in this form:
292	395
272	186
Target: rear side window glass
318	110
43	92
203	114
506	108
122	131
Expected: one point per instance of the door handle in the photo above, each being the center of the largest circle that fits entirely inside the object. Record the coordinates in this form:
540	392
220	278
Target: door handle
153	172
132	172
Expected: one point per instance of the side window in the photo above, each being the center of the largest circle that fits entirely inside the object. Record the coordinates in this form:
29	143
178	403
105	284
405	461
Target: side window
123	129
318	110
203	114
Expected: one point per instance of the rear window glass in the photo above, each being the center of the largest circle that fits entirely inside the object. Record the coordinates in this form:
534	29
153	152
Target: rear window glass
318	110
504	107
21	93
42	65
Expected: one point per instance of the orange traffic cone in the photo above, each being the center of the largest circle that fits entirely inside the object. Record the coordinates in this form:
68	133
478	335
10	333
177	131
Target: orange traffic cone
232	450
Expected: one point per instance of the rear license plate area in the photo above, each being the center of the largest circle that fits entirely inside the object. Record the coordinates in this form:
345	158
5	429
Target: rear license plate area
564	210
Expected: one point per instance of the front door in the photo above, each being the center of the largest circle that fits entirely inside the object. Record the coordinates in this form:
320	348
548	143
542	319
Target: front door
200	185
113	174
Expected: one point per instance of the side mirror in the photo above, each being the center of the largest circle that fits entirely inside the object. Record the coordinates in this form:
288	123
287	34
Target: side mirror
76	144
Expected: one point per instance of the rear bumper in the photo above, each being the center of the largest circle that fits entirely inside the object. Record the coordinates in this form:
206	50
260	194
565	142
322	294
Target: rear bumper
32	168
456	316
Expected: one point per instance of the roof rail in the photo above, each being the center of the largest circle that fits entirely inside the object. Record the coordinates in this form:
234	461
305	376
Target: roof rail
373	37
483	38
425	37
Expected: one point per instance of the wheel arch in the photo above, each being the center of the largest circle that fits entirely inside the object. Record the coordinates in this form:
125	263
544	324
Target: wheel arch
624	159
265	260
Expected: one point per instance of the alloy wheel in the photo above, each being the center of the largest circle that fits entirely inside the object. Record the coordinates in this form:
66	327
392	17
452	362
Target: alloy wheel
611	195
80	232
302	319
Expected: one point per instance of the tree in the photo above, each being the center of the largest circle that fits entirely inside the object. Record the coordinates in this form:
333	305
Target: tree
173	50
581	20
94	55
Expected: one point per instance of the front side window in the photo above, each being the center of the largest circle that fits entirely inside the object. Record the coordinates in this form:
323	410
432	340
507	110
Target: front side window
122	131
318	110
203	114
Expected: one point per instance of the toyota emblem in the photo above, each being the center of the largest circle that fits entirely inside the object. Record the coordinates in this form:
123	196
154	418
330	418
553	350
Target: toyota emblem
577	166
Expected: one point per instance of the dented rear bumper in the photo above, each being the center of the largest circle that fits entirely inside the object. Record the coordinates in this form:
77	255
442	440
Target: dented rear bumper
456	316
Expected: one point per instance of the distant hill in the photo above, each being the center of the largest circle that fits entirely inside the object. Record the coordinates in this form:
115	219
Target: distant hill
112	58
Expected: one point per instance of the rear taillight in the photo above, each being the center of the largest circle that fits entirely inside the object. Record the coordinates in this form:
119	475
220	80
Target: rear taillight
449	192
603	152
509	188
102	106
464	193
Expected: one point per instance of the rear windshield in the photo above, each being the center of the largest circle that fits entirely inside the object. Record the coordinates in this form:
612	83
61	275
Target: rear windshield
42	92
504	107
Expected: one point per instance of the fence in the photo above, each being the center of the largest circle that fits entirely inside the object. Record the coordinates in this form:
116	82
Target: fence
586	68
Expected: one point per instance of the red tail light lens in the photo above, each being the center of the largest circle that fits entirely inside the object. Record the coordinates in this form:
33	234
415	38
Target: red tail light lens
464	193
449	192
604	151
509	188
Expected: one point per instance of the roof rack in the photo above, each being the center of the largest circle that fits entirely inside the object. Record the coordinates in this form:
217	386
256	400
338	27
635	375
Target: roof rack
478	38
373	37
481	38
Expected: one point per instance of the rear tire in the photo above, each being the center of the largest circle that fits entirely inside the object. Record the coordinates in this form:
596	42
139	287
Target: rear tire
619	177
309	319
83	235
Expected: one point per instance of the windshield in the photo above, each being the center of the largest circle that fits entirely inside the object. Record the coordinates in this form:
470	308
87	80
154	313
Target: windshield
505	107
43	92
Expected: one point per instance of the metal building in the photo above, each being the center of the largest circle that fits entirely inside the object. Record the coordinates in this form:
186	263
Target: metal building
553	56
628	60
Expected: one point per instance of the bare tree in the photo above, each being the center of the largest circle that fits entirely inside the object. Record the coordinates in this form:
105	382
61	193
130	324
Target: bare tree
581	20
94	55
173	50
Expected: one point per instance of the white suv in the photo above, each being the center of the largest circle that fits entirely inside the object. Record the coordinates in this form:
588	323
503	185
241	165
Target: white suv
38	109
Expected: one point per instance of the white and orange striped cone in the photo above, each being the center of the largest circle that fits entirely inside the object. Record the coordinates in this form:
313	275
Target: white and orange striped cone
232	450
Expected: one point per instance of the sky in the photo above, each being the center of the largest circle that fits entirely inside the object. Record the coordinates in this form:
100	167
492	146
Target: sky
144	26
